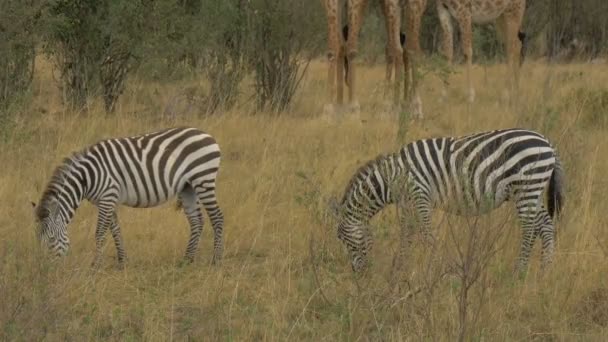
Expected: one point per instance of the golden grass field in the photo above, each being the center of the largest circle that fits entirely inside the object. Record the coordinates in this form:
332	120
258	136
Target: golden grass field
277	173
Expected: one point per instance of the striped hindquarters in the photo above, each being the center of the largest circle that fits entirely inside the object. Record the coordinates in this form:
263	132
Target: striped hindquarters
483	169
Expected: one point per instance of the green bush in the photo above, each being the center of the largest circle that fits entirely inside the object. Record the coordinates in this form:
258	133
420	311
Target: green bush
94	45
284	39
17	49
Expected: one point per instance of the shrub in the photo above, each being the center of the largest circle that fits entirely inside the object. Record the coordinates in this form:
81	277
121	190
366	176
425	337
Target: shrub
283	36
17	49
93	44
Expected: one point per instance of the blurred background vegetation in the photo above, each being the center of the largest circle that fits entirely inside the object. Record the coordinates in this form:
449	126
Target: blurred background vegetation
97	45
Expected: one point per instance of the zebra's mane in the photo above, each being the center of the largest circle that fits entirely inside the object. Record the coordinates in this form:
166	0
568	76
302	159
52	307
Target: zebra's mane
50	193
363	169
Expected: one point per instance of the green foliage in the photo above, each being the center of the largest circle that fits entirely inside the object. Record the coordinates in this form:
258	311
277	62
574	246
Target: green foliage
224	53
283	34
177	33
487	47
17	49
93	44
72	38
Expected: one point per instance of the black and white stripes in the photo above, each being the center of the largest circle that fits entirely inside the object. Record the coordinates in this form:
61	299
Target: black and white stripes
143	171
470	175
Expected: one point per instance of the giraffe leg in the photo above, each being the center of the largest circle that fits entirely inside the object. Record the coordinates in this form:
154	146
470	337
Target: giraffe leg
342	73
389	65
464	23
511	23
117	236
206	196
355	20
445	19
104	221
408	221
423	210
393	23
193	212
387	50
335	89
413	11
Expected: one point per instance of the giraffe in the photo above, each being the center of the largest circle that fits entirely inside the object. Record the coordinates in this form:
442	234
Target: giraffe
508	15
345	49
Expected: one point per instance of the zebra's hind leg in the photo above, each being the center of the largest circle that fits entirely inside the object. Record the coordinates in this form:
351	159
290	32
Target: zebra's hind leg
546	232
192	209
117	236
206	195
527	212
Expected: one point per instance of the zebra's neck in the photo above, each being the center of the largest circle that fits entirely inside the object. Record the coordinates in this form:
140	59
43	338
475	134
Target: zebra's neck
67	187
372	188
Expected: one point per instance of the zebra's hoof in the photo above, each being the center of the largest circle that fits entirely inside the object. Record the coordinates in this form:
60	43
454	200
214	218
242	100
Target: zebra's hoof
186	261
520	273
121	265
96	264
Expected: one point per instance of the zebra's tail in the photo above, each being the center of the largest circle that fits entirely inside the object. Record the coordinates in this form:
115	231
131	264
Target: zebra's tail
556	190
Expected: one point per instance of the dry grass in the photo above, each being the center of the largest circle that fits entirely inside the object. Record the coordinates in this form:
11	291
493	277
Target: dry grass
266	288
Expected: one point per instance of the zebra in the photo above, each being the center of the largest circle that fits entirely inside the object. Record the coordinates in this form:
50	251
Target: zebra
140	172
469	175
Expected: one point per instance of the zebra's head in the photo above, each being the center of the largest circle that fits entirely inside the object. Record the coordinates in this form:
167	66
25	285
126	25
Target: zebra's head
51	227
354	234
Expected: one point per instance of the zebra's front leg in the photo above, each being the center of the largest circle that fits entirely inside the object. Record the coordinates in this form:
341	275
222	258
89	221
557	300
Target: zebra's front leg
407	229
104	220
192	209
117	236
195	219
423	215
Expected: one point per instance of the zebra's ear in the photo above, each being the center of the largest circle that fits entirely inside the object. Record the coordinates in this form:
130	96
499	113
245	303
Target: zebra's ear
34	209
334	207
53	206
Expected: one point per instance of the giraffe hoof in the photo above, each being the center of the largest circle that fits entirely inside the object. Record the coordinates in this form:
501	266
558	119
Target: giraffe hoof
417	113
388	110
443	97
329	109
471	95
354	108
331	112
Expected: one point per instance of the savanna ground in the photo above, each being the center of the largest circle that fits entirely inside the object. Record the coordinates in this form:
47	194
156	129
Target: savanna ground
277	174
